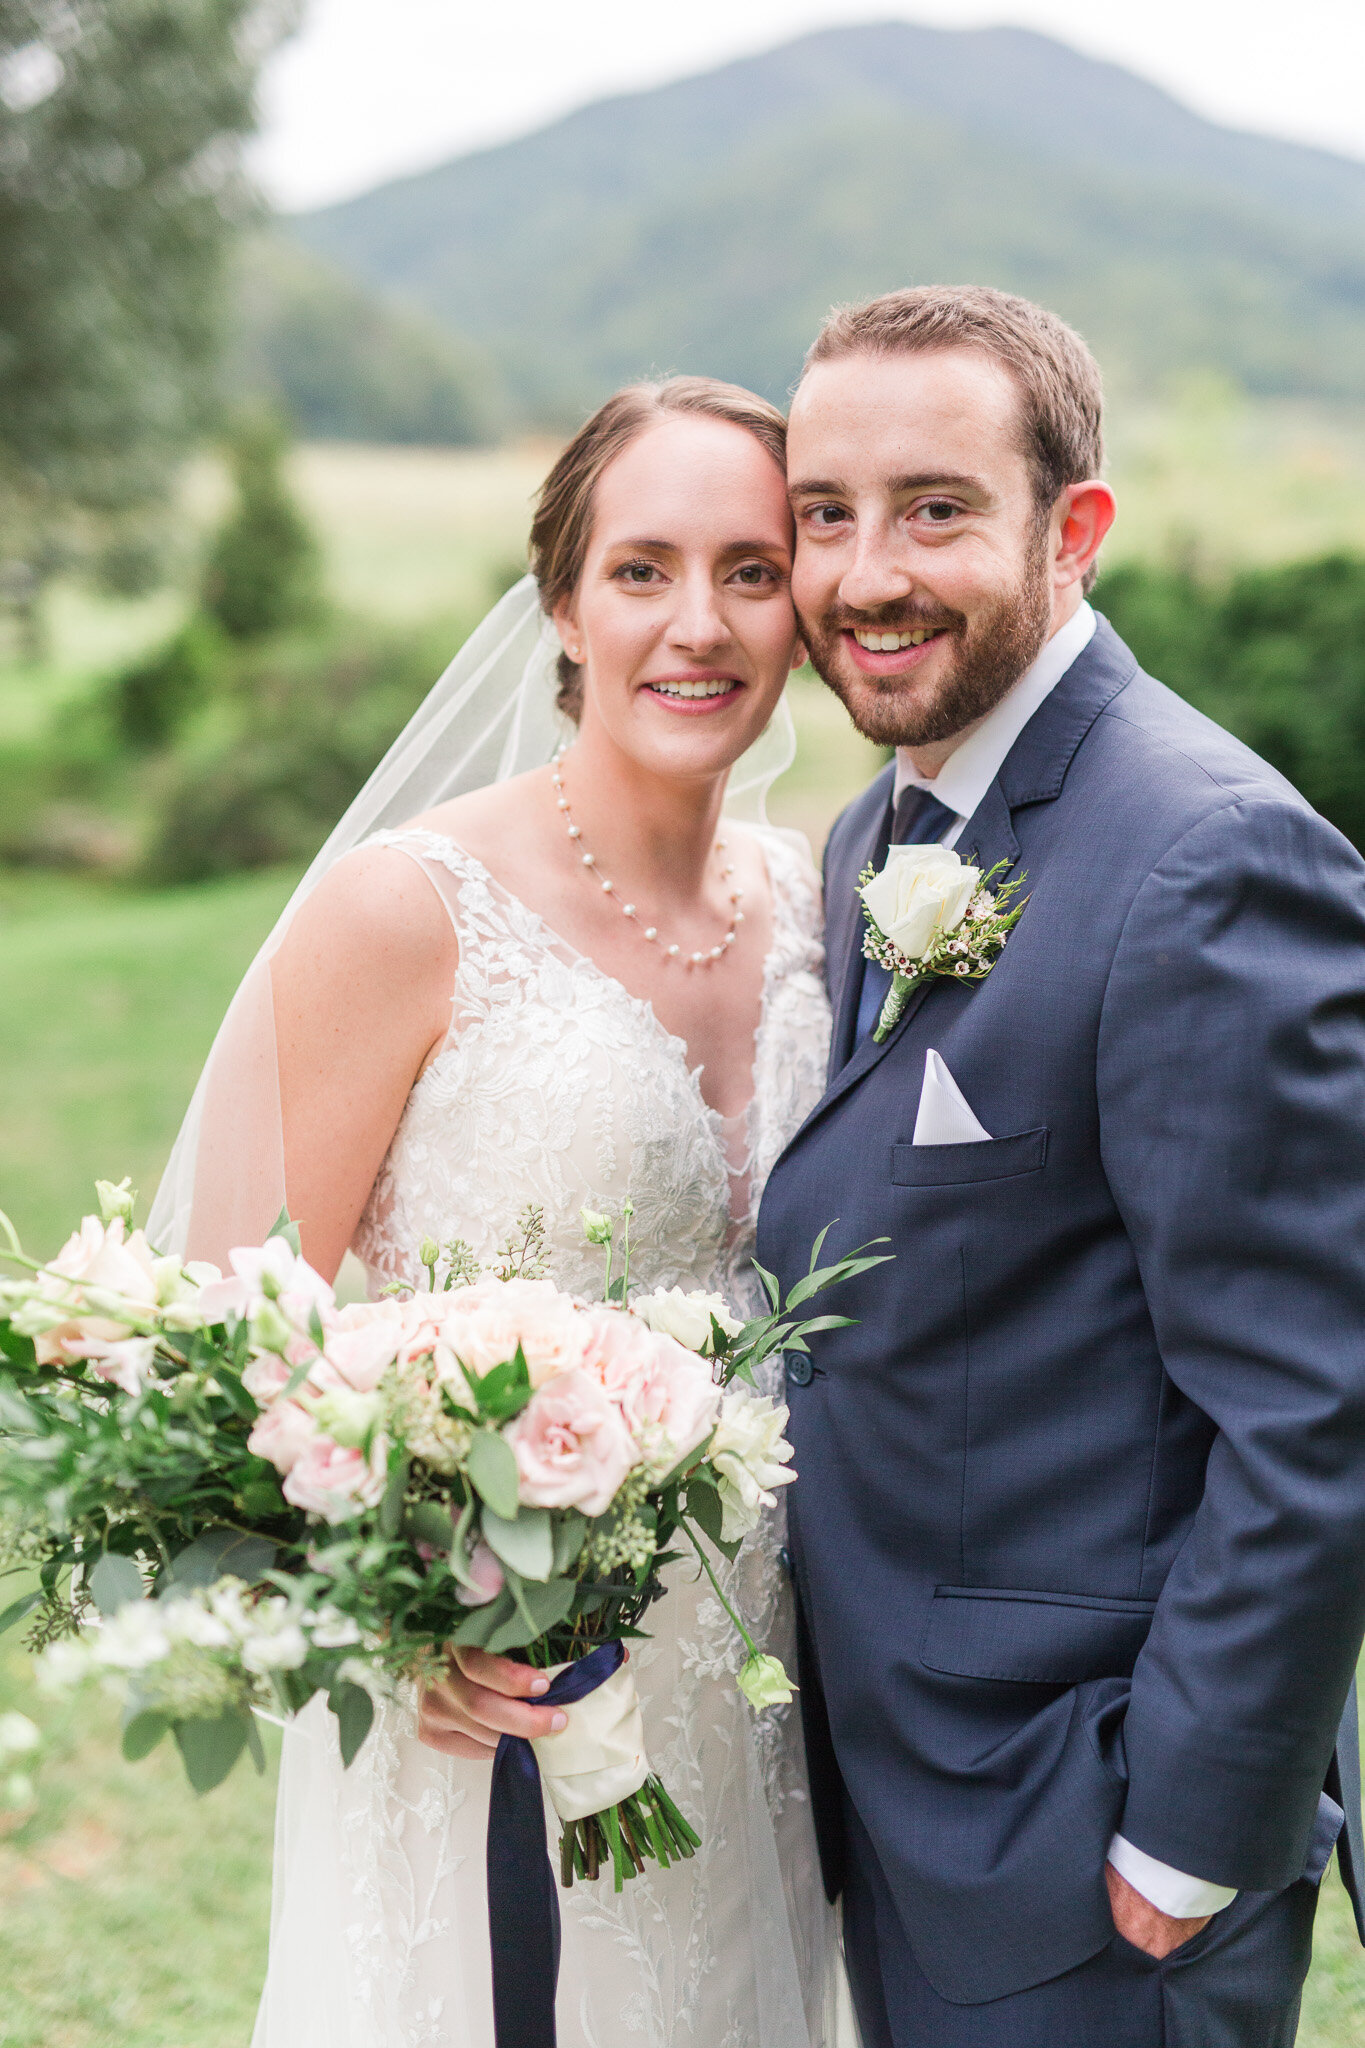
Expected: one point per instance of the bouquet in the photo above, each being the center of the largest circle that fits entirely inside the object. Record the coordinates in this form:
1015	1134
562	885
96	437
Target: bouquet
230	1493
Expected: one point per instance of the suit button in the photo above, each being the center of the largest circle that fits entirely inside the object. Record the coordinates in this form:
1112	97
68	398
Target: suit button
800	1371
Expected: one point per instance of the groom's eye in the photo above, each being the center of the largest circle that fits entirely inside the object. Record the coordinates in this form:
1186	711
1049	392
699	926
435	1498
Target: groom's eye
938	511
827	515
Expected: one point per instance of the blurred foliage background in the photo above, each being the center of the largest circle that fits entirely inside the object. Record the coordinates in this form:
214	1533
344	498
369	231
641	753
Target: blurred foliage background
258	479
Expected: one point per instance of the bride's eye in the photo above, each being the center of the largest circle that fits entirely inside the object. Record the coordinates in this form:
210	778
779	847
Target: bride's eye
638	574
755	575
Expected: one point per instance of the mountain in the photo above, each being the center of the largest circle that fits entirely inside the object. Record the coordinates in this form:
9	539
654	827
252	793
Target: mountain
343	360
710	223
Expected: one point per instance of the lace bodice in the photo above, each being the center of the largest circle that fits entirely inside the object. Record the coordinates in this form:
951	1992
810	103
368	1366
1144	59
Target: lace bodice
556	1086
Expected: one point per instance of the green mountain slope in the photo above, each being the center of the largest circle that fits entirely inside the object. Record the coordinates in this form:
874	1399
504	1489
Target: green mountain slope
343	361
710	223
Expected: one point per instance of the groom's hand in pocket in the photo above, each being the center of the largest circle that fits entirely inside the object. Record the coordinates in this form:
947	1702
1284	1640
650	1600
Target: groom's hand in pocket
1144	1924
481	1698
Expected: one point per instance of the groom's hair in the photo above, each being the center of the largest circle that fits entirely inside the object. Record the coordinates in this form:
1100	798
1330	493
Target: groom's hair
1058	380
562	526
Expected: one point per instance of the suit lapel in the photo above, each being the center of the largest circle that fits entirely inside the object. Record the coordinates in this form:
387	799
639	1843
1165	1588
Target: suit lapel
866	838
1033	772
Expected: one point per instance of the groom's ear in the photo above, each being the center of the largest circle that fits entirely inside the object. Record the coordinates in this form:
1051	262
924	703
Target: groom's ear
1081	518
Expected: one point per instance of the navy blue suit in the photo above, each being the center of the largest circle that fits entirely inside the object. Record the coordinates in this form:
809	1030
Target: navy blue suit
1079	1533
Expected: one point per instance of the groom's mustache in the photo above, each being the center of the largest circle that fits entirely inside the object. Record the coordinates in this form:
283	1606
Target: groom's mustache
905	617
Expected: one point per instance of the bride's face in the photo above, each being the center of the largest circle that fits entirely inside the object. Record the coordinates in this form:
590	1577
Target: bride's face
683	616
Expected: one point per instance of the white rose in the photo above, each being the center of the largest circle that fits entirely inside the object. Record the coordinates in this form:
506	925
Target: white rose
921	894
750	1456
686	1318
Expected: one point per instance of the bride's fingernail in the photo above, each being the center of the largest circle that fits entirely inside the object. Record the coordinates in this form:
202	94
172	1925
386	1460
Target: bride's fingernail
559	1721
538	1686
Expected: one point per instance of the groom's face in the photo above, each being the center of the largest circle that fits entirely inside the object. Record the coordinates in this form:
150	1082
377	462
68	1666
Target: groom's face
922	575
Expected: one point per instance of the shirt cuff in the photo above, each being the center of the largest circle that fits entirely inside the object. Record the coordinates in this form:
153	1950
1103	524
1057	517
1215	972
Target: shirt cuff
1170	1891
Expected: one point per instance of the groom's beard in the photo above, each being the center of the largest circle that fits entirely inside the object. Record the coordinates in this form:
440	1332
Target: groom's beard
984	659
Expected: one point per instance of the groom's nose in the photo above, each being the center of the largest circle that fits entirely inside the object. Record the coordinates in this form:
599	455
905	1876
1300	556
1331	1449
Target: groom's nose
877	574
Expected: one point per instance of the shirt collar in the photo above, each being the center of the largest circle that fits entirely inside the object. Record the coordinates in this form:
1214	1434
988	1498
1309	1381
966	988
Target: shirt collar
970	769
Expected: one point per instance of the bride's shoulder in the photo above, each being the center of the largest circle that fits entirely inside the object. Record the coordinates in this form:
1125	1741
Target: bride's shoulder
374	911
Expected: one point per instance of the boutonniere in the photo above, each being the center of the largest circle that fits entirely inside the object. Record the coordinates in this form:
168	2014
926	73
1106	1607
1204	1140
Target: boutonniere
927	914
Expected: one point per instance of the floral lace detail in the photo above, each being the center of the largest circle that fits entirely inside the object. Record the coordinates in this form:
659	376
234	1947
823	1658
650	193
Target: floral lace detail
557	1086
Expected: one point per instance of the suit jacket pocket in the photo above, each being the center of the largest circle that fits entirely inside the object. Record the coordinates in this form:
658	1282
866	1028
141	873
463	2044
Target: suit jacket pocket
947	1166
1033	1638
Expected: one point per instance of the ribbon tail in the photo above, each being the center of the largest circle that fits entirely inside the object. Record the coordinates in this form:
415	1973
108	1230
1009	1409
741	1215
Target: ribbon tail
523	1905
897	996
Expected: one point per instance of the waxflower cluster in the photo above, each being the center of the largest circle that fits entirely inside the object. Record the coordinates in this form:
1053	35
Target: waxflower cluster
928	913
237	1492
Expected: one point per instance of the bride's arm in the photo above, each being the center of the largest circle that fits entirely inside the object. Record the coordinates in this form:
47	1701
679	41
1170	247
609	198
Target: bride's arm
362	987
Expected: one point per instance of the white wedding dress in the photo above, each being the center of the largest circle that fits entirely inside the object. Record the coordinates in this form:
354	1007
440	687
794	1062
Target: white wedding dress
558	1087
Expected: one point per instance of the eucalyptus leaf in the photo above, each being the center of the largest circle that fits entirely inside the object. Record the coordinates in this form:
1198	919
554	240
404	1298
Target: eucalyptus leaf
704	1508
428	1522
493	1470
527	1544
219	1554
19	1609
285	1227
570	1529
459	1563
210	1748
113	1582
141	1733
481	1622
354	1710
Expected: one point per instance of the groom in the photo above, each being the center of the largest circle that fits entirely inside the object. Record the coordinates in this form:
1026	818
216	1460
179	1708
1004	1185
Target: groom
1079	1536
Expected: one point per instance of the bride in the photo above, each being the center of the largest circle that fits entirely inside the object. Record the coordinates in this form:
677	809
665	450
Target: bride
581	985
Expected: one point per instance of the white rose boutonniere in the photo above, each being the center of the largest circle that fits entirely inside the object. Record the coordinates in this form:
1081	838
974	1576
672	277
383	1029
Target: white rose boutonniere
928	913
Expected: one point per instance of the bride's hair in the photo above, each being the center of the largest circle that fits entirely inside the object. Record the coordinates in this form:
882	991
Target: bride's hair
562	526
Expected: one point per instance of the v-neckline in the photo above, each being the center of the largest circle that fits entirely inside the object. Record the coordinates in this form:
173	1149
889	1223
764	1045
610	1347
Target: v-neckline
640	1004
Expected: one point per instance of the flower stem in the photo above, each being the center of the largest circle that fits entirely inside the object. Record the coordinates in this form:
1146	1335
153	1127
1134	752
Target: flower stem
750	1645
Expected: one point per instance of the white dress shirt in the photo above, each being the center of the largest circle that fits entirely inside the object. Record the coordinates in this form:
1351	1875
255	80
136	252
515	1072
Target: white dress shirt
961	783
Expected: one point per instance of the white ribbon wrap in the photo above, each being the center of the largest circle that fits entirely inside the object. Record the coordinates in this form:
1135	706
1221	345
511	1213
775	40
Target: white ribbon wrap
600	1757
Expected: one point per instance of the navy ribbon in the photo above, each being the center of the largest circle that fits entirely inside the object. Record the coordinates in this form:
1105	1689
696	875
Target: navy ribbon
523	1904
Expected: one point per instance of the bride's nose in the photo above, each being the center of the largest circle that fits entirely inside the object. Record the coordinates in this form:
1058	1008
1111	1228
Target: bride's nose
696	624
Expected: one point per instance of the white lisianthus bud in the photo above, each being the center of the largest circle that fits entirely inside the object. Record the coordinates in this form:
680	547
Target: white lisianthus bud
428	1251
922	893
347	1417
764	1683
750	1456
596	1227
117	1201
271	1330
685	1317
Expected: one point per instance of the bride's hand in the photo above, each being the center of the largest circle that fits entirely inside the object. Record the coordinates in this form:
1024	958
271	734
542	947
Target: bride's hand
481	1698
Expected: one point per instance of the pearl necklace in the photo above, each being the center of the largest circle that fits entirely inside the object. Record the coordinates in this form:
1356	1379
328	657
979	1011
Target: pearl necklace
650	932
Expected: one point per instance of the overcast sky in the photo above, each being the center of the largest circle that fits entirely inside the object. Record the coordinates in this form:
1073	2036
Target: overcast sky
373	88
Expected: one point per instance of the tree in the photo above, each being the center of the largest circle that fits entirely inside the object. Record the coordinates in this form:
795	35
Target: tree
120	193
263	573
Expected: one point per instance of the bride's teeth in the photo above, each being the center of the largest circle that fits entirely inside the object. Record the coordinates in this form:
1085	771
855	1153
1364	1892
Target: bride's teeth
719	689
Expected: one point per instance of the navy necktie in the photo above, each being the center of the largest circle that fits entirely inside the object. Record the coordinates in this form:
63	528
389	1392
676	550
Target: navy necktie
919	819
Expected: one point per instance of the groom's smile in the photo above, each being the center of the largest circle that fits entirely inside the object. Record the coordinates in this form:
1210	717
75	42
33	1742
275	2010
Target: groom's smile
921	573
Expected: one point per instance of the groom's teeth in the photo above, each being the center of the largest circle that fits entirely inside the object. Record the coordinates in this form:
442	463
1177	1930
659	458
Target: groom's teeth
890	643
720	689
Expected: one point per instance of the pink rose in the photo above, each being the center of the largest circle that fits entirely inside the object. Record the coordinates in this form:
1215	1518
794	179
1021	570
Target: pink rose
265	1376
487	1575
282	1434
665	1392
362	1356
334	1483
572	1447
484	1324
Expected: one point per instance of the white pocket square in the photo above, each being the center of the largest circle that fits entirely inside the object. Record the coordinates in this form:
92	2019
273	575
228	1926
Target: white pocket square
945	1115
